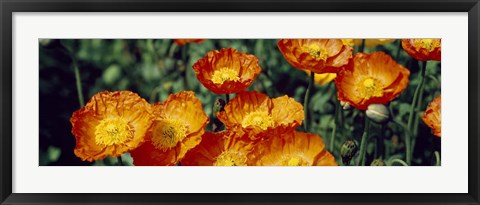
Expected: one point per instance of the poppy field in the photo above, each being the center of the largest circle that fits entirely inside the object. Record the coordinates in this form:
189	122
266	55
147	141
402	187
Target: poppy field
240	102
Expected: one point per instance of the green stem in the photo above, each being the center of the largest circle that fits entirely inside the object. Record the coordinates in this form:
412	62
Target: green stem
171	50
79	83
398	161
334	132
76	70
363	144
437	158
338	111
120	162
399	48
332	138
187	69
306	102
416	123
416	95
402	125
380	146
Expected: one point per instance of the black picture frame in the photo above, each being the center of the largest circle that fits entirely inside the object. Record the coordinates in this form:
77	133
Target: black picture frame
7	7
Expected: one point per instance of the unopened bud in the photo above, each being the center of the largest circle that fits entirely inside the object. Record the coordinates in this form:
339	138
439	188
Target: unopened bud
348	151
377	162
378	113
345	105
218	105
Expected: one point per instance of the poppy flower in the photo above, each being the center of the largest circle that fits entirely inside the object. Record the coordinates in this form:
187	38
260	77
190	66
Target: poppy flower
324	78
432	116
178	127
371	79
110	124
225	148
292	149
255	113
370	43
227	71
423	49
182	42
316	55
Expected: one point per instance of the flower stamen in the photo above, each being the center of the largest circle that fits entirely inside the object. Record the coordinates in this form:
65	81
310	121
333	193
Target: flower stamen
168	132
371	88
260	119
317	52
429	44
225	74
231	158
113	131
294	161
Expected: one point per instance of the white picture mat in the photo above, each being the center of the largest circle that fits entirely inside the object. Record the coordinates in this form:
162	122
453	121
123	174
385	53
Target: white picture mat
451	177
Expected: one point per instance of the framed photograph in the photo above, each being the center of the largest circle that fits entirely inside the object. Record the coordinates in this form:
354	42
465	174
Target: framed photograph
186	102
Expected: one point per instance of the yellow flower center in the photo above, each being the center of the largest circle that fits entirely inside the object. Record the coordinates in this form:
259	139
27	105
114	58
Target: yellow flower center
371	88
294	161
113	131
168	132
317	52
369	83
260	119
429	44
224	74
231	158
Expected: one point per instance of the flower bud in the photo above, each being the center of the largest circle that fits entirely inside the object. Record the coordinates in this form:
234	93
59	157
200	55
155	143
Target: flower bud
218	105
348	151
378	113
345	105
377	162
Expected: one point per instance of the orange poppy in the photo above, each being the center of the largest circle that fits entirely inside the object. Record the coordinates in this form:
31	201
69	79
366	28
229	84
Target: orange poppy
110	124
370	43
292	149
316	55
182	42
227	71
225	148
255	113
432	116
178	127
324	78
371	79
423	49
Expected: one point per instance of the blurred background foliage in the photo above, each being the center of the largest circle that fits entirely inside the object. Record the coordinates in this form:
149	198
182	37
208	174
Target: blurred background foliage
155	68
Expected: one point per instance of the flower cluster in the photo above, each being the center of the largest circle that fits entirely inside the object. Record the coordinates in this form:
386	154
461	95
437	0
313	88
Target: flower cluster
258	130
